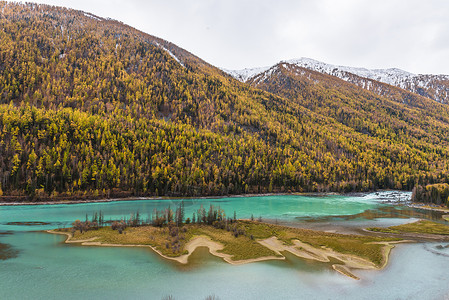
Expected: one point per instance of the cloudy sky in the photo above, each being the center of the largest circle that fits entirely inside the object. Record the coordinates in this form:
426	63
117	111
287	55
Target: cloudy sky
409	34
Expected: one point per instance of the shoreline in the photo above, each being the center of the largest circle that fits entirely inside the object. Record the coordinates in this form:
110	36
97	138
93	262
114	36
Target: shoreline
162	198
191	246
348	263
417	237
414	236
300	249
86	201
426	206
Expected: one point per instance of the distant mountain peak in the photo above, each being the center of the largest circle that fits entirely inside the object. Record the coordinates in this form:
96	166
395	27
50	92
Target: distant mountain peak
247	73
435	87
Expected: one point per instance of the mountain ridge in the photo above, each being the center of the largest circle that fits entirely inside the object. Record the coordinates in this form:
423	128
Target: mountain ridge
435	87
91	107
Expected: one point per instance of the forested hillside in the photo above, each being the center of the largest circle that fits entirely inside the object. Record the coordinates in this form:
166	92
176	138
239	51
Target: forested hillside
93	108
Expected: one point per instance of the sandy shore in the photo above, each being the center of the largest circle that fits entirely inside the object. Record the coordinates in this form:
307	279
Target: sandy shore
299	249
348	262
199	241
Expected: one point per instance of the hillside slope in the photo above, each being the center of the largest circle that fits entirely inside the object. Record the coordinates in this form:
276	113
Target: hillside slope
90	107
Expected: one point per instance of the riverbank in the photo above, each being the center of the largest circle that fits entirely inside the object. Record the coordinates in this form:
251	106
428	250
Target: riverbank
418	230
426	206
162	198
190	247
247	242
133	198
77	201
347	263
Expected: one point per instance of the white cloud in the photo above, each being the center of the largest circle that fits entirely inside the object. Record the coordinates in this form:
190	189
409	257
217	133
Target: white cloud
412	35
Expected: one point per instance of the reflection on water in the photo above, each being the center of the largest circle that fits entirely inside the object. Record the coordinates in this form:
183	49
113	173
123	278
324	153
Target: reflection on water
7	252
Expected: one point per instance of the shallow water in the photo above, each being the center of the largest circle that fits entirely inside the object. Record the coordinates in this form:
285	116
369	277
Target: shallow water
46	268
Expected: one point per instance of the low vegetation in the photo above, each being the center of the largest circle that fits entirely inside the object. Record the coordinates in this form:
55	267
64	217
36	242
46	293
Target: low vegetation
422	226
362	246
168	232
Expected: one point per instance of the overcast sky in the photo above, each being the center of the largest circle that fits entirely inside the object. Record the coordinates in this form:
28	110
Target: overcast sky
409	34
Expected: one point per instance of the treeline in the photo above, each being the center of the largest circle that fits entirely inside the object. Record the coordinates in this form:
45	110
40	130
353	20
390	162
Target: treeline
91	108
214	216
172	224
433	193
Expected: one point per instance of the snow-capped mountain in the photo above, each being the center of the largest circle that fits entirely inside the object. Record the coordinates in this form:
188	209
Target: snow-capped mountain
435	87
245	74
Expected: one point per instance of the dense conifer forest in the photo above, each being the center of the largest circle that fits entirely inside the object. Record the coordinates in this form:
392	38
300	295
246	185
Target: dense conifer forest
92	108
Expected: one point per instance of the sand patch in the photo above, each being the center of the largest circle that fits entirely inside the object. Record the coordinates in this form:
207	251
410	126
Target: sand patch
300	249
198	241
349	262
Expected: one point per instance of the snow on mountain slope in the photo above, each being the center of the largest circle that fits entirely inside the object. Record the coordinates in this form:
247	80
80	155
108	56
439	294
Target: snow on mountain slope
170	53
245	74
435	87
389	76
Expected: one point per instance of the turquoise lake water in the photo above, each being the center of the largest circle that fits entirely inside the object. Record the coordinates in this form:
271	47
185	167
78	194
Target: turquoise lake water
37	265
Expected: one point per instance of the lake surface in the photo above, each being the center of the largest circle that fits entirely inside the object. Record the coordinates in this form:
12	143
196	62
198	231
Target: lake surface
37	265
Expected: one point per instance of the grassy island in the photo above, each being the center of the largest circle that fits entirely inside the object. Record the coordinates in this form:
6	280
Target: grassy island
236	241
419	227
